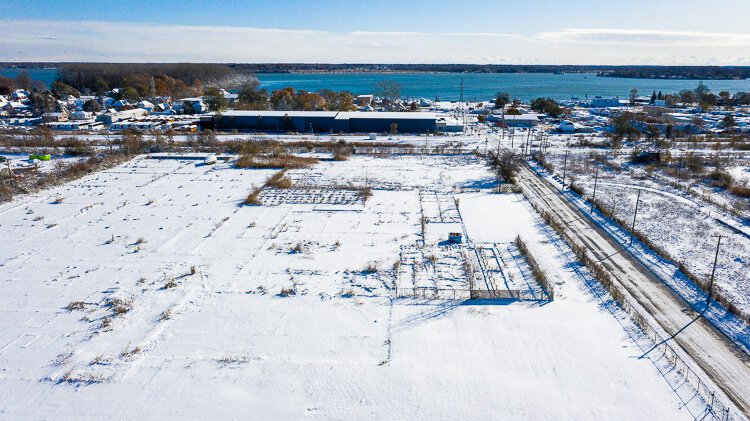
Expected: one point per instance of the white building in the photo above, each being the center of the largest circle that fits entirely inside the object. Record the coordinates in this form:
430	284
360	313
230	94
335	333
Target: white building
599	102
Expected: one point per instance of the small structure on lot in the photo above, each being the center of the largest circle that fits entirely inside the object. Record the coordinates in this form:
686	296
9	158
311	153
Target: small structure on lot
455	237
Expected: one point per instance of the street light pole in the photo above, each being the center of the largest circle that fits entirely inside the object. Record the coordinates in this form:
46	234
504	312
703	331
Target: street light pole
632	227
713	271
565	168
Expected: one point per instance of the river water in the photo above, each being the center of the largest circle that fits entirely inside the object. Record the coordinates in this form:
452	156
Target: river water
477	86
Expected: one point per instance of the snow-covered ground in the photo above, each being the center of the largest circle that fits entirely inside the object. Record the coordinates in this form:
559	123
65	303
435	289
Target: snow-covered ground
20	162
183	304
679	223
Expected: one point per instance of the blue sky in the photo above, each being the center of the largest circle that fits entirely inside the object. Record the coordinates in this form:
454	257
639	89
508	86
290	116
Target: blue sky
438	31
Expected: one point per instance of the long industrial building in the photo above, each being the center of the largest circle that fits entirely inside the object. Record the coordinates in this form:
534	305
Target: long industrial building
327	121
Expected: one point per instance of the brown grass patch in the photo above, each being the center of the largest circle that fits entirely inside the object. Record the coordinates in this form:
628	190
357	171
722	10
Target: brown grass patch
253	198
279	181
272	162
740	191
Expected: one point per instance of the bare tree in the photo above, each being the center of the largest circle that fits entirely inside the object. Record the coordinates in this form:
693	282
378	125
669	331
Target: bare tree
23	80
505	165
389	91
633	96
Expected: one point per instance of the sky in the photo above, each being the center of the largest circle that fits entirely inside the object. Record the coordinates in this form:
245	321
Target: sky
667	32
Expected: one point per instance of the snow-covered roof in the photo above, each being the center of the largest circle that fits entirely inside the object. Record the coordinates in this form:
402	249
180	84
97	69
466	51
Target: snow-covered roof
385	115
338	115
234	113
522	117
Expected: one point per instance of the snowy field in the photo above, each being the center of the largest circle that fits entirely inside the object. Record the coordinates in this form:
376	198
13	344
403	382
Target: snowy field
20	162
683	225
146	292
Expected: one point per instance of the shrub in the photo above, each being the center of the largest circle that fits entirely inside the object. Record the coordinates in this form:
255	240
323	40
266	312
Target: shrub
287	291
536	270
576	188
119	305
370	268
171	283
253	198
279	181
365	193
740	191
105	323
270	162
6	193
129	352
342	151
75	305
721	179
166	314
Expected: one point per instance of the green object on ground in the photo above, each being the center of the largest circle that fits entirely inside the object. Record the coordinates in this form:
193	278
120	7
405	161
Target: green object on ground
40	157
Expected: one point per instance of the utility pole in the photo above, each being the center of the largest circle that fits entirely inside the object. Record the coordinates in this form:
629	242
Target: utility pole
596	178
713	271
528	139
565	167
632	227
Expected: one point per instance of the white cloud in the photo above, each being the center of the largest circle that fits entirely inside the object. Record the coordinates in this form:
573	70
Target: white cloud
141	42
645	38
120	41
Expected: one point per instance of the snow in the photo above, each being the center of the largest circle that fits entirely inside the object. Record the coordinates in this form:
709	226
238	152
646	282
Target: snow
733	327
228	319
683	225
20	161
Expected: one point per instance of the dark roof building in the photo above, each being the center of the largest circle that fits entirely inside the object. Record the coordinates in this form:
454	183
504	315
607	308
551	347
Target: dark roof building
326	121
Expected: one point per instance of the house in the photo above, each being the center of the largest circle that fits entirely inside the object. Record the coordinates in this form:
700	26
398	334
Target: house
145	105
523	120
567	126
364	100
230	97
19	95
75	125
193	105
120	104
114	116
135	125
54	117
449	125
15	106
655	110
81	115
600	102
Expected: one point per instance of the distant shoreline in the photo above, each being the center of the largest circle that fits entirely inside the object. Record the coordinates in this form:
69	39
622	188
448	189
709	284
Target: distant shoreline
623	72
343	72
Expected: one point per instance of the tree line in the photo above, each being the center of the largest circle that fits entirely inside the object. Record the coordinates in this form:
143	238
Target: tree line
174	80
251	97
